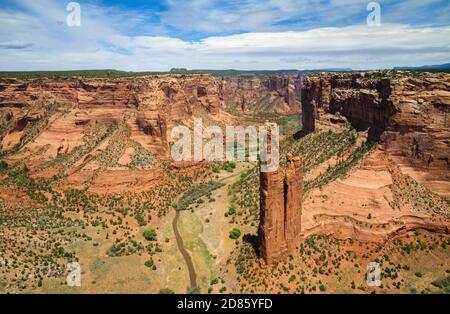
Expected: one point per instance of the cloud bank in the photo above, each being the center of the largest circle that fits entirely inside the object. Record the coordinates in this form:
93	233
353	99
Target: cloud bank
34	36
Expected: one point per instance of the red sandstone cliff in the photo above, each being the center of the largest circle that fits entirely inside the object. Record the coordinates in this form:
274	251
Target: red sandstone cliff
407	113
276	93
150	106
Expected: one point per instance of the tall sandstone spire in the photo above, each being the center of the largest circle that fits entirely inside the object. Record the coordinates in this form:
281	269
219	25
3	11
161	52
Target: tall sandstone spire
281	195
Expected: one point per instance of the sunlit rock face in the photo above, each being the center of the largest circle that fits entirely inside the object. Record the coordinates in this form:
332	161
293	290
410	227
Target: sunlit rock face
281	194
150	106
277	93
407	113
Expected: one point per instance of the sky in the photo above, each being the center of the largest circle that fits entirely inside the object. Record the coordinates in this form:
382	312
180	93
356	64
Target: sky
211	34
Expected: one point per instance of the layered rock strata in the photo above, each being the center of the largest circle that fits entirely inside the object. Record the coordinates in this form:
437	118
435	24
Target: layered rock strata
262	93
407	113
150	106
281	195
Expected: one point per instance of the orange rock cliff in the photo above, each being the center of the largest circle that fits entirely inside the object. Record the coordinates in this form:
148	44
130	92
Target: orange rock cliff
408	114
249	94
150	106
281	195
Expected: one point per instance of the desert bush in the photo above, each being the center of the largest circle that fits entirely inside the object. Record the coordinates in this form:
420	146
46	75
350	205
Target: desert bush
3	166
232	209
140	219
229	166
149	263
166	291
150	234
194	290
196	193
235	234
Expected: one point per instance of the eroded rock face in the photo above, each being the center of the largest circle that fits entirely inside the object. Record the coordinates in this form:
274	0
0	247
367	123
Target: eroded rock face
315	95
281	195
408	114
249	94
151	106
16	133
153	125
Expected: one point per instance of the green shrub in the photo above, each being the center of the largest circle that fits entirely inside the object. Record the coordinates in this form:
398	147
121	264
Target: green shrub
123	211
166	291
231	210
196	193
150	234
214	281
116	250
22	175
229	166
140	219
194	290
3	166
235	234
149	263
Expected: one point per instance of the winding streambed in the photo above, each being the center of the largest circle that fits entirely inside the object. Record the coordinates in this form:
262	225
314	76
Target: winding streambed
180	243
184	252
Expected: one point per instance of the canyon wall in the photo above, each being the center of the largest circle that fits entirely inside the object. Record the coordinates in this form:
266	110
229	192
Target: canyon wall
278	93
281	195
150	106
407	113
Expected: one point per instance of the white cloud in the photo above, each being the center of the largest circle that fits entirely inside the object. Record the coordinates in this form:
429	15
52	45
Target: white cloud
15	44
353	38
218	16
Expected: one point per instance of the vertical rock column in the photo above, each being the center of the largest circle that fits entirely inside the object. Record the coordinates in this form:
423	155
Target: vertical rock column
308	106
293	194
281	193
316	94
272	238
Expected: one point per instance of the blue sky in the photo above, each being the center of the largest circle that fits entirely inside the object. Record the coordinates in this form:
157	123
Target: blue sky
247	34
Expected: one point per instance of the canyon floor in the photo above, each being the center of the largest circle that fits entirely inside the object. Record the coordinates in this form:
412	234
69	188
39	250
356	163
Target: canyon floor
96	187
